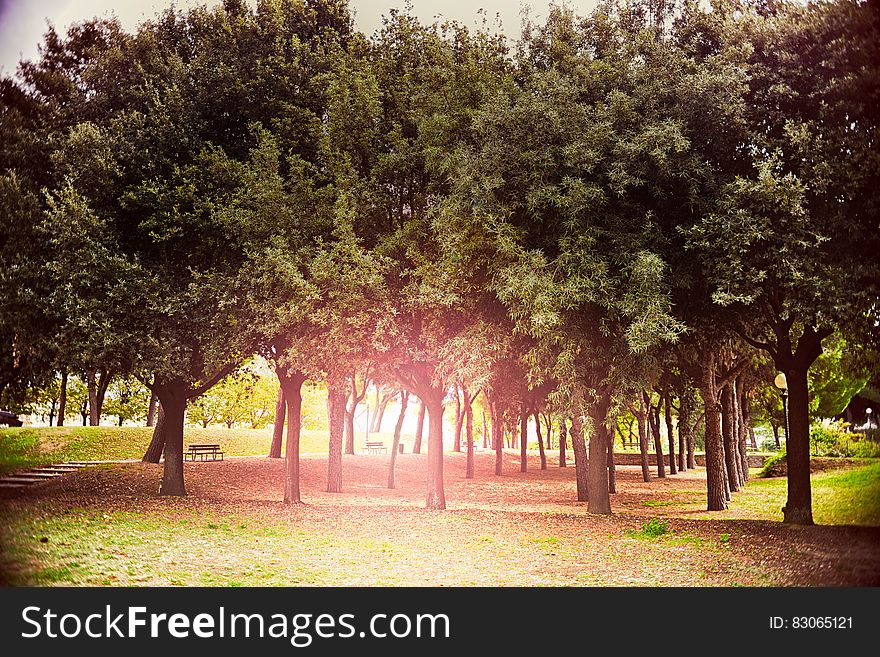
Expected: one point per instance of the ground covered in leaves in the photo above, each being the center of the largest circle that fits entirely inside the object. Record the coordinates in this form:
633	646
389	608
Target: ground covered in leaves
106	525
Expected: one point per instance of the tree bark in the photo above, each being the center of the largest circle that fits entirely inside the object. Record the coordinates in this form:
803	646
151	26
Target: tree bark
97	381
497	437
642	421
742	431
278	427
540	441
715	488
581	464
173	397
682	440
291	384
157	443
654	423
728	430
469	434
420	427
459	419
523	438
336	401
612	469
151	409
404	400
92	390
597	471
563	430
798	507
62	398
380	412
350	408
670	435
436	496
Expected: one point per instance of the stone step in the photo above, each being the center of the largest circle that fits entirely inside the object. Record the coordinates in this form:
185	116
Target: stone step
20	479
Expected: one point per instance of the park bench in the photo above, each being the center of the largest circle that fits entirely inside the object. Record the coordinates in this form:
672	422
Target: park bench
204	453
374	448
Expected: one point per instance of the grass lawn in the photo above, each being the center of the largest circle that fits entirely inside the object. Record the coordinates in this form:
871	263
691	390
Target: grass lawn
107	526
24	447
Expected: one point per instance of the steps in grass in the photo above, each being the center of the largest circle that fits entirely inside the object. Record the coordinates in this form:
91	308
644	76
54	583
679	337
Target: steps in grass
45	473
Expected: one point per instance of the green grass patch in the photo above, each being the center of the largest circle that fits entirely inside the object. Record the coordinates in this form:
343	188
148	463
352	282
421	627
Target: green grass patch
27	447
848	496
651	529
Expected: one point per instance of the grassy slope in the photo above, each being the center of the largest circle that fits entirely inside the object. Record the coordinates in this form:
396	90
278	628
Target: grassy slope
840	497
26	447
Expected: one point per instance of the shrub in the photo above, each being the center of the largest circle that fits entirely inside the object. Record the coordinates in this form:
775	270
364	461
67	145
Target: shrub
769	468
832	438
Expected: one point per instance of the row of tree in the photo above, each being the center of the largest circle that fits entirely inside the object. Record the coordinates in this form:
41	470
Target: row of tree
658	196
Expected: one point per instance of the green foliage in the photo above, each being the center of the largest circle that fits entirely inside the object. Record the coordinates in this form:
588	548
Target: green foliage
651	529
833	438
771	462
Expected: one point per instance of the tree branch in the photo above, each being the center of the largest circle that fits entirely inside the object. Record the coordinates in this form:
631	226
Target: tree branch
216	377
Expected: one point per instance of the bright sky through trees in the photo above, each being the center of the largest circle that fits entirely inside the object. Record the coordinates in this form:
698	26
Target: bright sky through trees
23	22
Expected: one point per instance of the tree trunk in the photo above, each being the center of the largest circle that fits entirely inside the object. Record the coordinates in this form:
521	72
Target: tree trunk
349	426
523	438
336	402
404	401
654	423
540	441
563	430
97	382
278	427
682	432
670	435
578	446
612	469
469	434
459	420
798	507
436	497
92	389
642	419
151	409
716	498
173	396
380	413
597	471
157	444
62	398
497	437
548	420
420	427
291	384
742	431
728	431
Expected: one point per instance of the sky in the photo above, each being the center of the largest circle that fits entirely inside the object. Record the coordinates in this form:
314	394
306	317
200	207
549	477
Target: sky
23	22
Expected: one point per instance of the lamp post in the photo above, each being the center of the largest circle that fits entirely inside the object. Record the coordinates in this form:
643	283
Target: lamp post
781	383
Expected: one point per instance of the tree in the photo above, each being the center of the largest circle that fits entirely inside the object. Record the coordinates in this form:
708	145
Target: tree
788	248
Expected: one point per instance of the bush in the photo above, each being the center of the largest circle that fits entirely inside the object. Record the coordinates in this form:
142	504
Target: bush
832	438
768	445
769	468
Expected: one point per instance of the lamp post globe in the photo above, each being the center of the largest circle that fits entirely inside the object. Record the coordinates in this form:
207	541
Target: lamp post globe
782	383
